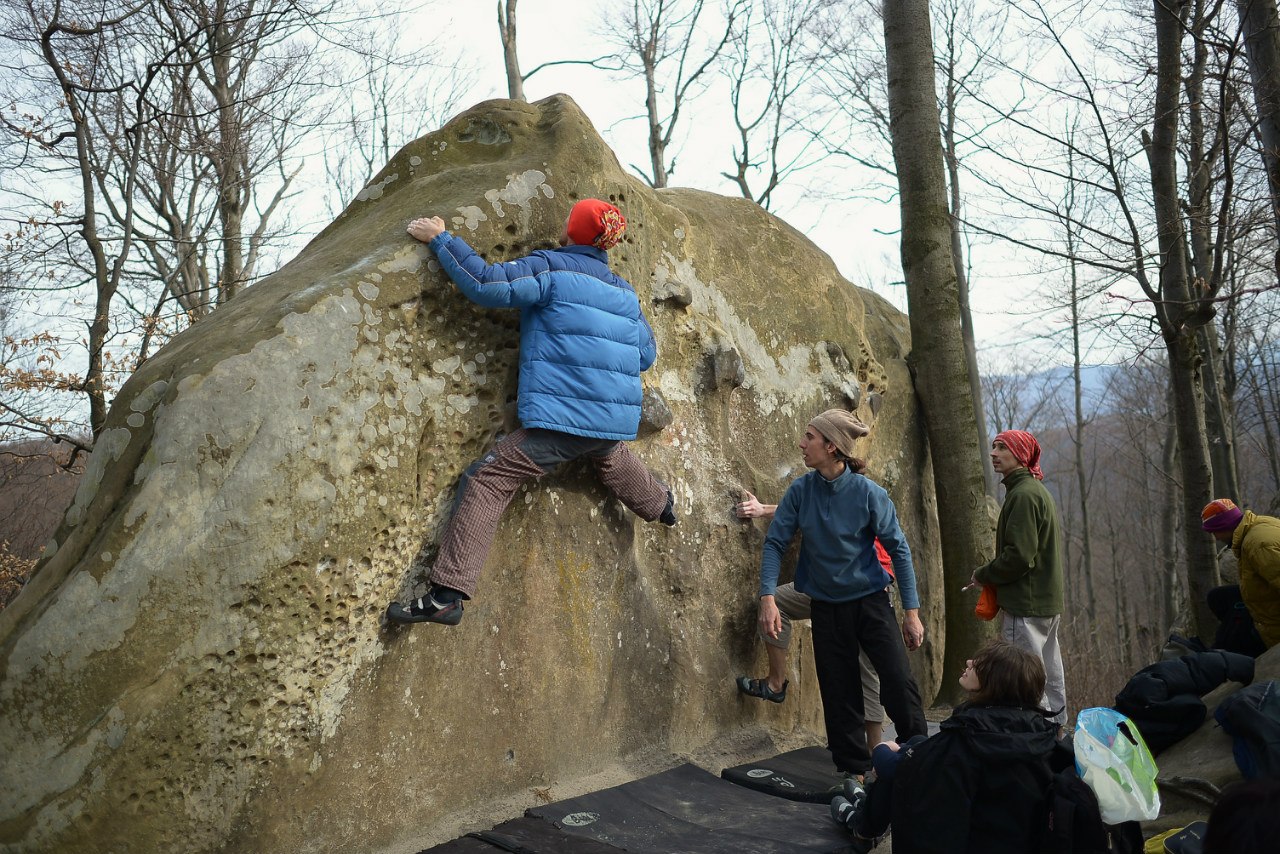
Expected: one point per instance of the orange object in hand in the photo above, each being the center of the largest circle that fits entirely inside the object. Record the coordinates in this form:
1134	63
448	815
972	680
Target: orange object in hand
987	606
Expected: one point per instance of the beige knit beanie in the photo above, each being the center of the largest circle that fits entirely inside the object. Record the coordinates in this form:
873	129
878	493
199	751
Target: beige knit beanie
841	428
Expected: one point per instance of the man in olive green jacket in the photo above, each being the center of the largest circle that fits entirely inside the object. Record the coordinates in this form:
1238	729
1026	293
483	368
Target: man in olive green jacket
1027	568
1255	540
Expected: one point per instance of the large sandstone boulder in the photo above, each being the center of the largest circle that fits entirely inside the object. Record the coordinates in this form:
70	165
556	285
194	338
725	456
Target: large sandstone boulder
202	664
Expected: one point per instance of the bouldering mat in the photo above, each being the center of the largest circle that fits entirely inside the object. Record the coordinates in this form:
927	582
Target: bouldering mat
806	774
525	835
688	809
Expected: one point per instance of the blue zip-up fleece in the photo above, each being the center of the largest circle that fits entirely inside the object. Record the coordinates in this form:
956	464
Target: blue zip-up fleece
839	521
583	338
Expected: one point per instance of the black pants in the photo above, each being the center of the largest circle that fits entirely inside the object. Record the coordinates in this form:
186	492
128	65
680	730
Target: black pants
1236	631
879	809
840	630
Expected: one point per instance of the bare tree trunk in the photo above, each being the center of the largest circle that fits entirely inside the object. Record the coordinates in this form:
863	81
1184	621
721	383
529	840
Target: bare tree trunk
106	274
770	66
507	27
1261	25
1178	324
938	353
962	276
1169	526
1124	613
229	163
1227	365
1081	423
658	175
1269	438
1217	415
1199	214
664	38
1262	390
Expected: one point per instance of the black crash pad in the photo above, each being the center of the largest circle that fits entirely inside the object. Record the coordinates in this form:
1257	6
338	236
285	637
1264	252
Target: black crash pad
688	809
806	775
525	835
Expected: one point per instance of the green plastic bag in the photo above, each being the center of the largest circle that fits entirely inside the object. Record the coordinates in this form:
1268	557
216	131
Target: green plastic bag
1114	762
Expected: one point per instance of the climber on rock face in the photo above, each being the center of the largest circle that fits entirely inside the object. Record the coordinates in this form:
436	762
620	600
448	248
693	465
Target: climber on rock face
583	343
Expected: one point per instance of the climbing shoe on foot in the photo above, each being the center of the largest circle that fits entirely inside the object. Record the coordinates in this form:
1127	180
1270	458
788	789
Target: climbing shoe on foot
426	610
849	810
851	785
841	811
760	688
845	815
668	516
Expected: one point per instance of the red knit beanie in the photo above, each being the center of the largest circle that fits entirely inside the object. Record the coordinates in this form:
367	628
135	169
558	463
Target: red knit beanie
596	223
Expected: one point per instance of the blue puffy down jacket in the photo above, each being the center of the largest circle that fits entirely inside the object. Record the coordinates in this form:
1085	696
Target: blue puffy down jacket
583	338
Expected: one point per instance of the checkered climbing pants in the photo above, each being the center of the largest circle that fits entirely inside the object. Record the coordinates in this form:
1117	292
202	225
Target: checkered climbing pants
488	485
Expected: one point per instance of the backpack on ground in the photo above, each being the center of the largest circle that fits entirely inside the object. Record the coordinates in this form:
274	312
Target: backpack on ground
1075	823
1180	840
1251	716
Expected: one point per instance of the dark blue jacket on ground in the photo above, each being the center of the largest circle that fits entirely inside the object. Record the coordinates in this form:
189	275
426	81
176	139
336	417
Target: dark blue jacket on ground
583	338
1163	699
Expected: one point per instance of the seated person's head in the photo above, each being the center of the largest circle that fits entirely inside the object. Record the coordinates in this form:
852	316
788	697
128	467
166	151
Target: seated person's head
1000	674
1245	819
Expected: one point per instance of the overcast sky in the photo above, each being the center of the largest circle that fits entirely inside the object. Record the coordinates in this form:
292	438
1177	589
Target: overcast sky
846	231
860	236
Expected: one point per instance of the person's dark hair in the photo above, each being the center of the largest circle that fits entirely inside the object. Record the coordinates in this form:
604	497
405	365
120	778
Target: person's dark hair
1245	819
1007	676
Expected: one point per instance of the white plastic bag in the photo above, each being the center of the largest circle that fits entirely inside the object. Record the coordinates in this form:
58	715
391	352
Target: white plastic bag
1114	762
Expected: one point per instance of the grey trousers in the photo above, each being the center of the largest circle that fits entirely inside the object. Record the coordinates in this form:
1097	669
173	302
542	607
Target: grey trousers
488	484
794	605
1039	636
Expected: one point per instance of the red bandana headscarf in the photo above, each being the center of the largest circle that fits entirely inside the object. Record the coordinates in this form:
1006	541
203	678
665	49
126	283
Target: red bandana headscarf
1025	449
596	223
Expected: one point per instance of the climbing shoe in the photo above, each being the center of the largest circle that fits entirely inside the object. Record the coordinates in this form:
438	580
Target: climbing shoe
849	811
760	688
851	785
426	610
842	811
668	516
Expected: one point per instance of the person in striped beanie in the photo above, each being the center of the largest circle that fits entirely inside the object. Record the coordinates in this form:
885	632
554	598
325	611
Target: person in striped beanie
1255	541
839	514
1027	568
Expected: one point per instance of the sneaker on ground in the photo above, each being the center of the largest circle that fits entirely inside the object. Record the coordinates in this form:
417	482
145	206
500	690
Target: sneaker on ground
426	610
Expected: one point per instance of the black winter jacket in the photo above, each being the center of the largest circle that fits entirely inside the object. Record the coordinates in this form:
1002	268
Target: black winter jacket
979	785
1163	699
